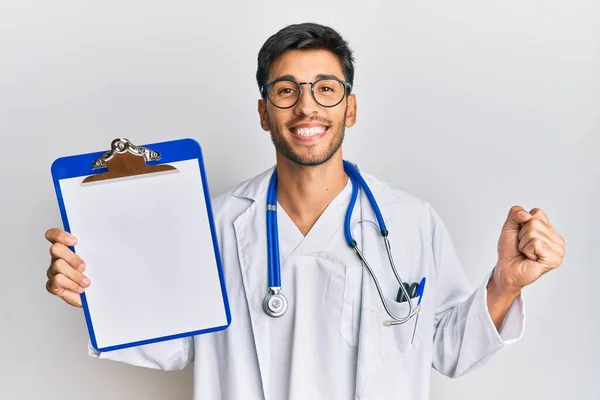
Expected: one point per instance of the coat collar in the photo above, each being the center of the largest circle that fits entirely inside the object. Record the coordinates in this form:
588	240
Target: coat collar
255	187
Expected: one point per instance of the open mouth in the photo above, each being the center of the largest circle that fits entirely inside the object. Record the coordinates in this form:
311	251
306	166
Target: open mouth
309	131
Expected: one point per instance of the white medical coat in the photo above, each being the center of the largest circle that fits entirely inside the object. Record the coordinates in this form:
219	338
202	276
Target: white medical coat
454	332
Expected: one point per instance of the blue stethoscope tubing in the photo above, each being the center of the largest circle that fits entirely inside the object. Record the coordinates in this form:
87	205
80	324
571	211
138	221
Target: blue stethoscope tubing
275	303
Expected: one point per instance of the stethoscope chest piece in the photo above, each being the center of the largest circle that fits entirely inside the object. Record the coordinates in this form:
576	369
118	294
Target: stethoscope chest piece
275	304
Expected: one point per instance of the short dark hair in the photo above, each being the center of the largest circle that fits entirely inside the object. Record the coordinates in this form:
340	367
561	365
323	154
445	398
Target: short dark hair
306	36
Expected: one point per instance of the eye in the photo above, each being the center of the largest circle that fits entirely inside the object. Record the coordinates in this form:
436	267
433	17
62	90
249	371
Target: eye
328	87
286	91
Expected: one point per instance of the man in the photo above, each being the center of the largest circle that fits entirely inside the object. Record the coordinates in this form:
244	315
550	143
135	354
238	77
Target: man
332	343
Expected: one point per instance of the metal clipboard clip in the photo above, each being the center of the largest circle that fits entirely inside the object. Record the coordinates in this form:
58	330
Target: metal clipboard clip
126	161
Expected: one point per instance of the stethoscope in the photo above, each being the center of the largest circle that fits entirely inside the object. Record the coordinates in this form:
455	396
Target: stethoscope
275	303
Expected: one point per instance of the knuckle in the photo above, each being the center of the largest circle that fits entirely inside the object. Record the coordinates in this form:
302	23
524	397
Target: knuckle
57	280
531	246
538	224
55	248
57	265
52	286
528	234
63	282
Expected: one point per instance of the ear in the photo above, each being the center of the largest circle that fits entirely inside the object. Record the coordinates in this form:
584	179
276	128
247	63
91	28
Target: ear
351	111
262	113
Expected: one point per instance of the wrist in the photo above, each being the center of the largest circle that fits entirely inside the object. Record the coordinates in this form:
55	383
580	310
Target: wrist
501	286
502	293
499	300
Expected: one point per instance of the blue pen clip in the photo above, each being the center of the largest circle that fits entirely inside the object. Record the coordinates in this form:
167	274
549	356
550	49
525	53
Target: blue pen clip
420	290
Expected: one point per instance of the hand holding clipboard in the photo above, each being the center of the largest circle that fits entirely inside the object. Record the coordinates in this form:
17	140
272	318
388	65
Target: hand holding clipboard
138	219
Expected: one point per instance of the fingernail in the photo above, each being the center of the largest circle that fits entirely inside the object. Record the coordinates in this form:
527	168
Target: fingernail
85	282
523	214
80	290
81	268
71	240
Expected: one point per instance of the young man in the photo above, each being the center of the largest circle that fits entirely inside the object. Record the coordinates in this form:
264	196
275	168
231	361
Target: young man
332	342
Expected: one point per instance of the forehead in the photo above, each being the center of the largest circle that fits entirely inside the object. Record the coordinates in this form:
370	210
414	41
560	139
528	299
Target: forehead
305	65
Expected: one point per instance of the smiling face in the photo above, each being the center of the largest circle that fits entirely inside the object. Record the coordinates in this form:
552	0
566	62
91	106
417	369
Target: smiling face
307	134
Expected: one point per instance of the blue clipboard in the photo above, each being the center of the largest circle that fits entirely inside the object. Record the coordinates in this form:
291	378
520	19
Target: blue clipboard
67	173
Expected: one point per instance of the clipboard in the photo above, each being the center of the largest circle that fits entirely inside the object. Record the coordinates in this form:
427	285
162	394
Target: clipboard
146	231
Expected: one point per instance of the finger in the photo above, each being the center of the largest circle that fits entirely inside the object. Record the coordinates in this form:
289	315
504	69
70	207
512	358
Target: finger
538	250
539	224
60	251
534	249
540	214
60	266
517	215
56	235
68	296
534	223
72	298
530	234
59	283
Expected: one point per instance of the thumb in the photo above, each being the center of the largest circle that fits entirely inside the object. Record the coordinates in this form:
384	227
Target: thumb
516	216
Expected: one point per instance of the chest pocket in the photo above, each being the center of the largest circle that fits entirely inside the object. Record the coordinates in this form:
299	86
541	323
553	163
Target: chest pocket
399	340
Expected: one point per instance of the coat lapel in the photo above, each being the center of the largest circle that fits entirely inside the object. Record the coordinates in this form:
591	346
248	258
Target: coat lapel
250	231
372	247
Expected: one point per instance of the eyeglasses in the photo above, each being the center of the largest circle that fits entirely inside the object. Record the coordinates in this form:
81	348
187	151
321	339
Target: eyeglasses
326	91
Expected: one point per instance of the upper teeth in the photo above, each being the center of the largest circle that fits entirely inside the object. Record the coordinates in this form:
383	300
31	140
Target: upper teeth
310	131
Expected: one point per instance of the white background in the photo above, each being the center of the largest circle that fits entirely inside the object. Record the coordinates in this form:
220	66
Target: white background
473	106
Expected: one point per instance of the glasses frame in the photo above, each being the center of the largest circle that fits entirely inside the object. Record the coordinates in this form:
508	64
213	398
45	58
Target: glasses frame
267	87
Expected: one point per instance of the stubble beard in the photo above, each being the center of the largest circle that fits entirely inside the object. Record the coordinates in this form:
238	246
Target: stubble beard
313	160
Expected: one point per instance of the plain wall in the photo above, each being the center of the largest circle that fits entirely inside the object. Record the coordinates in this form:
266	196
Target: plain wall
473	106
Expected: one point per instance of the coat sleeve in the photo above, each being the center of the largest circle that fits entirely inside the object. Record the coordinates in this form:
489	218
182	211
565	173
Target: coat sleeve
168	355
465	336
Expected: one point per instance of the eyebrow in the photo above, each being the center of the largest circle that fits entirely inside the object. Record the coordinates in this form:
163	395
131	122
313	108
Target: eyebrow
292	77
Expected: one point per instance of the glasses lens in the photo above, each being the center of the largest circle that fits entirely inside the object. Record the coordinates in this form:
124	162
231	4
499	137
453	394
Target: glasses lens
283	93
329	92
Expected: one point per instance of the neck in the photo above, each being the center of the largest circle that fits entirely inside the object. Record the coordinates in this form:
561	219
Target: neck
305	192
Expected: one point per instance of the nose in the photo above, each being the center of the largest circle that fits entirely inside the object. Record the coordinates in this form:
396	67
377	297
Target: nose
306	103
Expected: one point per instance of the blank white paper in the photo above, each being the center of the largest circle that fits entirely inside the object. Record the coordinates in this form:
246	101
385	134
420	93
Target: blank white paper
149	253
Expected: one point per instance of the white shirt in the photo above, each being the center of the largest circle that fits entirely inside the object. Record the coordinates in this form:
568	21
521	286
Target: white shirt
309	267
